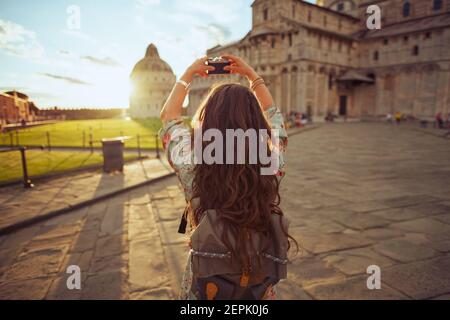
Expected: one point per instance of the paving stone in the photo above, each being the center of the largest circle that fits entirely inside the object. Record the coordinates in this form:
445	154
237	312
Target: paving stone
409	200
400	249
320	243
67	191
352	289
106	286
38	263
113	220
110	246
62	233
367	206
381	233
288	290
59	290
361	221
424	225
80	259
176	256
430	209
168	231
147	265
356	261
312	270
19	238
399	214
164	293
73	217
85	241
443	297
7	257
32	289
445	218
108	263
420	280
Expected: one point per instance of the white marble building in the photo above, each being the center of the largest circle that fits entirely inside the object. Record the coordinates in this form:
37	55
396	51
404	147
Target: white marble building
152	79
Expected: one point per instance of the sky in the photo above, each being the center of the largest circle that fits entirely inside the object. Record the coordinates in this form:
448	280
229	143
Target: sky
80	53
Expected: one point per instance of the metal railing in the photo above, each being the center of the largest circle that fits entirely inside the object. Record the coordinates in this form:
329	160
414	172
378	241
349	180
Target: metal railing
87	142
26	179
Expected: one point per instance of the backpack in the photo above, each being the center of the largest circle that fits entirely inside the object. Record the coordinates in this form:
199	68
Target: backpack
215	276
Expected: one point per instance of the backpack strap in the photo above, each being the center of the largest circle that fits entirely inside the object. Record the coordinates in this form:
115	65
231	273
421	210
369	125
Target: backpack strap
183	222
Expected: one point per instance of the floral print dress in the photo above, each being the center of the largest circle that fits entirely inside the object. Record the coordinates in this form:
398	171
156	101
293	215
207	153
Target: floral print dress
176	137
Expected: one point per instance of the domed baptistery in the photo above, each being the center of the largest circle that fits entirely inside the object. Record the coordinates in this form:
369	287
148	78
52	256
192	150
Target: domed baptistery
152	80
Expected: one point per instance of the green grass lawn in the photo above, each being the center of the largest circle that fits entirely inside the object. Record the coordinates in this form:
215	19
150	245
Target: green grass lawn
42	162
70	133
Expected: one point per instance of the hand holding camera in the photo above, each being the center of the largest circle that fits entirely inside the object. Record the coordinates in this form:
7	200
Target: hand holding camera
199	67
226	64
239	66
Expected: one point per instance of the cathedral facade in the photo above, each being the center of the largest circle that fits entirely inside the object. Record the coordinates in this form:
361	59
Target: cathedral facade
322	58
152	80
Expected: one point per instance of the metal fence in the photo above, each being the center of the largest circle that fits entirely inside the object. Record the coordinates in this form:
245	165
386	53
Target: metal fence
15	146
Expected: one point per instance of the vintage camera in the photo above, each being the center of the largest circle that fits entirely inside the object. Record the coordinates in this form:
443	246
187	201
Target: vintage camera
218	63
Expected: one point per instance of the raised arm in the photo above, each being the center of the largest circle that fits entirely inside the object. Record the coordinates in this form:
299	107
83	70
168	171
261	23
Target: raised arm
174	103
261	91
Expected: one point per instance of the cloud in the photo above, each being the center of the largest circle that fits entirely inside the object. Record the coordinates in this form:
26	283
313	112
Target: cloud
18	41
224	11
105	61
66	79
148	2
79	35
218	33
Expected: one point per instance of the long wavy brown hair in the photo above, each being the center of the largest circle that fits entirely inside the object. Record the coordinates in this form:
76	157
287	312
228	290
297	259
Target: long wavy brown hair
243	198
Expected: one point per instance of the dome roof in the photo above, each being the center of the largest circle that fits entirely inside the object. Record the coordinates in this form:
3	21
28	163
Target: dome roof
151	62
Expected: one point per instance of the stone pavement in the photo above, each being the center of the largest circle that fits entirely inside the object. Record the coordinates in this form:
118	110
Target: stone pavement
357	194
18	205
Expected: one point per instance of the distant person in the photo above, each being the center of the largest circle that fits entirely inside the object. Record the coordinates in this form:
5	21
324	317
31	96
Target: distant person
439	120
389	117
398	117
239	240
298	119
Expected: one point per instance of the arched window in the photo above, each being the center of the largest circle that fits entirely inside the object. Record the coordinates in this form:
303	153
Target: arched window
406	9
376	56
266	14
437	5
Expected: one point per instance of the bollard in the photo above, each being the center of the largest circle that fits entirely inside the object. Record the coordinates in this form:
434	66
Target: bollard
48	142
157	146
139	145
26	181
